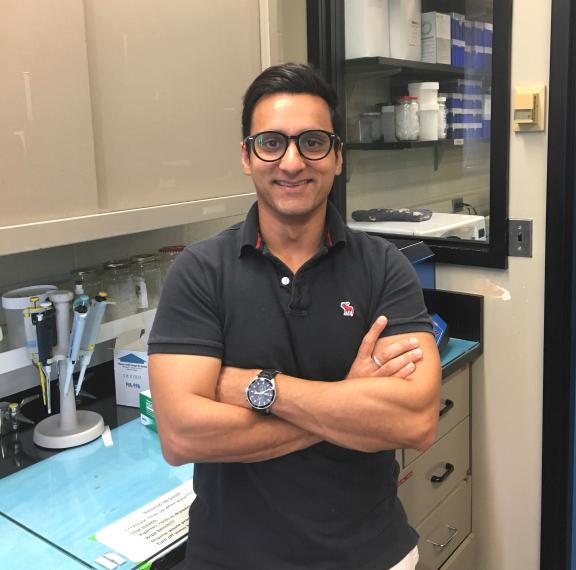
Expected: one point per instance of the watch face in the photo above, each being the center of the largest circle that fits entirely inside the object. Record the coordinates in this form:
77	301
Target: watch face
261	393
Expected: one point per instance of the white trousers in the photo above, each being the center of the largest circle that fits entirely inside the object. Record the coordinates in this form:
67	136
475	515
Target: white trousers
408	562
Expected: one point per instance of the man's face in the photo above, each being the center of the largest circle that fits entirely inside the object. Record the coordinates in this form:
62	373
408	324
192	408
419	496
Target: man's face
292	186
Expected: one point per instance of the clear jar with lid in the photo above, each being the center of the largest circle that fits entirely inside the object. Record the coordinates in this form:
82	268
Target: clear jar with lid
118	283
369	127
147	280
442	118
87	281
406	117
166	257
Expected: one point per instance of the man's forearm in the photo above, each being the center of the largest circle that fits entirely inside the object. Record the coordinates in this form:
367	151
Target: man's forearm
368	414
216	432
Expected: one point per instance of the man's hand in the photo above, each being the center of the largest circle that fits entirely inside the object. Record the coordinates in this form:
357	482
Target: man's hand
398	359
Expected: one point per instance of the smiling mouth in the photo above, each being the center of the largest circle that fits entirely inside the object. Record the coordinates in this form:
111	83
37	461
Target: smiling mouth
292	184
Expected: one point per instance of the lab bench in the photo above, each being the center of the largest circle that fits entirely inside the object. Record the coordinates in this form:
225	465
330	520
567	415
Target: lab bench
59	504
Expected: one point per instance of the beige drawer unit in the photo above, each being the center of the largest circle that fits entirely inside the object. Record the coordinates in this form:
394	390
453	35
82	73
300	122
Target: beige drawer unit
454	407
435	474
445	528
463	558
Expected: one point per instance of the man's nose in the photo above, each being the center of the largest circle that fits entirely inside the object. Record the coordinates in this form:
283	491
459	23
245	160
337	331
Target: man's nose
292	159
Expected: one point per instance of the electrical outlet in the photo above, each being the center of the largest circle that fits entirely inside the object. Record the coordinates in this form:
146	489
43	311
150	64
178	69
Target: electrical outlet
457	205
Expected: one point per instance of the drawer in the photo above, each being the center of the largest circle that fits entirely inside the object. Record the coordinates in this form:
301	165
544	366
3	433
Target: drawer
445	527
435	474
454	407
463	558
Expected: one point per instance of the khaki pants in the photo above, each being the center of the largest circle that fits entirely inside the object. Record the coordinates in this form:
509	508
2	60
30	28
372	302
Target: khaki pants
409	562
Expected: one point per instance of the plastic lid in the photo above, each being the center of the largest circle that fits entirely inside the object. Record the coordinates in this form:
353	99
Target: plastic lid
20	298
426	85
171	249
142	258
116	264
408	98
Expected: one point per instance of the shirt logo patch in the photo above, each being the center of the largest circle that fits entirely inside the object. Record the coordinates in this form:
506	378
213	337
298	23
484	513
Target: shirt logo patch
347	308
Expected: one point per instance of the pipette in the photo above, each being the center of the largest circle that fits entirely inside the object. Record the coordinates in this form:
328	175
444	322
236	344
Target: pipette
97	308
45	324
80	309
32	341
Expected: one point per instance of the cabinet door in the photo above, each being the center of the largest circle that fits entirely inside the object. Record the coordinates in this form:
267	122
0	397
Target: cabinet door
46	140
167	80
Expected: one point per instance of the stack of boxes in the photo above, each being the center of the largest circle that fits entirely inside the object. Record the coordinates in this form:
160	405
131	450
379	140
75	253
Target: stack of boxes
453	40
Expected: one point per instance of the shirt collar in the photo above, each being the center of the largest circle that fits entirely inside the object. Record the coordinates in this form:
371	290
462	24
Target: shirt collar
250	236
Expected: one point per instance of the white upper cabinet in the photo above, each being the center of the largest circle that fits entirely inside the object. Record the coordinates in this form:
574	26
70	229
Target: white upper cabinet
118	116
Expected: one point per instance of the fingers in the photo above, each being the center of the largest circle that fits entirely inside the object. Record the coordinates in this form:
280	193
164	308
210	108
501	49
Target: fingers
405	363
371	337
397	349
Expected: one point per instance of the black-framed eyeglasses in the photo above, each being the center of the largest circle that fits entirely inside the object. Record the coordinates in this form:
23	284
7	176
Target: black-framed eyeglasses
270	146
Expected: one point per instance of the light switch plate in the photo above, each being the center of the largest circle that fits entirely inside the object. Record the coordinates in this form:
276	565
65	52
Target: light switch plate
520	238
523	94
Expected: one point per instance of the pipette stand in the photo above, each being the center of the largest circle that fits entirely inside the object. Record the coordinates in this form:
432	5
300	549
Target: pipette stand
71	427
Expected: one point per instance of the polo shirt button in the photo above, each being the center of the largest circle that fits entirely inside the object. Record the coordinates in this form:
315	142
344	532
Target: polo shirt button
285	280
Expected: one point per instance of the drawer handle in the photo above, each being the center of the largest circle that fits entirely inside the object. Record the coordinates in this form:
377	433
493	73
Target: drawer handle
448	469
448	405
452	532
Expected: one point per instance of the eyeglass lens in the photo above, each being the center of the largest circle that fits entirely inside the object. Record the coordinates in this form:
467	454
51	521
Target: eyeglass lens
312	145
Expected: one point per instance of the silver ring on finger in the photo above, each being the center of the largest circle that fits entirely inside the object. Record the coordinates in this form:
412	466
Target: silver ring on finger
375	359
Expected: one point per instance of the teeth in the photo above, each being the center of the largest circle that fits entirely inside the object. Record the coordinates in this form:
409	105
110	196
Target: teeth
291	184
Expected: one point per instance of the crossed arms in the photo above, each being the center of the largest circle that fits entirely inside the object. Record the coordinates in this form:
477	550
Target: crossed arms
203	416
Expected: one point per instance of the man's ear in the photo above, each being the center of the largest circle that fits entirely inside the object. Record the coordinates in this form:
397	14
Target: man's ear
339	160
245	159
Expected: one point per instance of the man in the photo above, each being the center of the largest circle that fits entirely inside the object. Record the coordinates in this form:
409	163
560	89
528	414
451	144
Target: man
290	356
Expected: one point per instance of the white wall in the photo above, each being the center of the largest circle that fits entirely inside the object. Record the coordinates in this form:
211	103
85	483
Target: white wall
507	381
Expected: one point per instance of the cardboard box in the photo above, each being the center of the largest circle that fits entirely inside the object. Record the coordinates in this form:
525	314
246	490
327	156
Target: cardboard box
130	367
147	416
436	43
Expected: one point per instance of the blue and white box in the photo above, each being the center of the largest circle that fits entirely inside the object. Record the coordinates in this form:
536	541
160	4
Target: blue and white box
130	367
457	39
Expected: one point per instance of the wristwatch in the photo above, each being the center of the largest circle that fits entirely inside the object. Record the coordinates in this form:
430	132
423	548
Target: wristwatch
261	392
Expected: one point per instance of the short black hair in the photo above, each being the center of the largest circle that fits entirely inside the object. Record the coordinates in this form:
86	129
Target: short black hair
289	78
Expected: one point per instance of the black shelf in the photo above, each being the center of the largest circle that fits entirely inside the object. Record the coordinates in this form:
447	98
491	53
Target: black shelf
401	144
407	69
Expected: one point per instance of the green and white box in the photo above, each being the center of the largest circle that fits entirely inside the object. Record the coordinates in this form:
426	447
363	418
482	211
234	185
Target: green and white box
436	41
147	410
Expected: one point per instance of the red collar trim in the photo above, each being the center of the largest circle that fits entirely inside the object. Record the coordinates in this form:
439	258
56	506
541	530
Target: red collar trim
329	240
258	240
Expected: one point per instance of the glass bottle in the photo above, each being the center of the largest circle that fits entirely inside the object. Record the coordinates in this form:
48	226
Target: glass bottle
406	116
118	283
167	256
87	279
442	118
147	280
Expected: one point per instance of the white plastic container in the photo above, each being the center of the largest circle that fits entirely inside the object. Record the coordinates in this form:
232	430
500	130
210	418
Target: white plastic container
13	303
366	28
405	29
388	123
426	92
429	122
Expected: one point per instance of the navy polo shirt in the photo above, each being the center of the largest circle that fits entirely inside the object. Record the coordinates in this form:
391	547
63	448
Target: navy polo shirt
325	507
